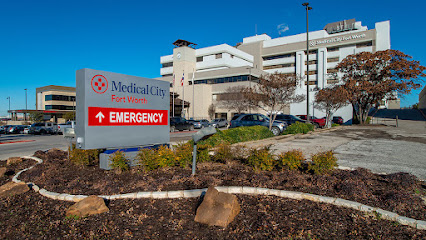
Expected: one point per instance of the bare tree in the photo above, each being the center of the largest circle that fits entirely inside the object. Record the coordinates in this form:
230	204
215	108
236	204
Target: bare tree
273	93
330	100
233	99
371	77
212	111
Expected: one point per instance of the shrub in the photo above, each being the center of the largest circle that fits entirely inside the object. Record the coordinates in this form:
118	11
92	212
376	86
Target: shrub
335	125
166	157
367	121
291	160
299	127
84	157
323	162
239	134
223	153
261	159
148	159
183	154
203	153
119	161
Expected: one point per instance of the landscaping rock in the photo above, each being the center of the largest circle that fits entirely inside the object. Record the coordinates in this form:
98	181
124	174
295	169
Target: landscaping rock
217	208
88	206
13	160
3	170
11	188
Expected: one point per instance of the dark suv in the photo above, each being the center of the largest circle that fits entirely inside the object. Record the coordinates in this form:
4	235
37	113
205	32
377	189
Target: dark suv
180	124
257	119
289	119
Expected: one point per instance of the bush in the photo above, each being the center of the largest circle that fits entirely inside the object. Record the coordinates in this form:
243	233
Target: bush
148	159
239	134
84	157
203	153
291	160
261	159
299	127
223	153
166	157
119	161
367	121
323	162
335	125
183	154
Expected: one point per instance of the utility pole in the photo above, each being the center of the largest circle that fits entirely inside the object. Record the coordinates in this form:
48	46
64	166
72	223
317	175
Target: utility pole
306	5
26	107
9	107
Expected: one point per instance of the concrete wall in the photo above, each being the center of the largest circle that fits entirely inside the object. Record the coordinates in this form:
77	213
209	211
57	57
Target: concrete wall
422	99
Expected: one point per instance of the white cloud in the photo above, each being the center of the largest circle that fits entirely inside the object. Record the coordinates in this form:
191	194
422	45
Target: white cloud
282	28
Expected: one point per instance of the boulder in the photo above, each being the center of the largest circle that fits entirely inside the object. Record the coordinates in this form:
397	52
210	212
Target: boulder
217	208
88	206
13	160
12	188
3	170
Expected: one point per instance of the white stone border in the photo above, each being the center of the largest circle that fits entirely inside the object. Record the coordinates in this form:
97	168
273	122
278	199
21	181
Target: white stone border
419	224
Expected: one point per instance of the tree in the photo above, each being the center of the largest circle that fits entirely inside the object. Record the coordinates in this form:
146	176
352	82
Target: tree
212	111
36	117
330	100
372	77
273	93
233	99
69	116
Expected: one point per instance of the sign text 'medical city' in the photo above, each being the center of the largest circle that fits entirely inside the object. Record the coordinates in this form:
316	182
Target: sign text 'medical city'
134	88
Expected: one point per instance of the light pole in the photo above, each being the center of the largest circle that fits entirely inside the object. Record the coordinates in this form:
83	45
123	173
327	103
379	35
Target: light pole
26	107
306	5
9	106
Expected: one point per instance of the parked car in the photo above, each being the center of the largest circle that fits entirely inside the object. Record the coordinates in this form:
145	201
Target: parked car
257	119
289	119
219	122
318	122
3	129
338	120
62	126
16	129
27	129
180	124
200	123
44	128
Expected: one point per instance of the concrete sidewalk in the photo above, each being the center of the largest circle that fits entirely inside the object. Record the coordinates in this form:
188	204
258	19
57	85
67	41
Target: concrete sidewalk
382	149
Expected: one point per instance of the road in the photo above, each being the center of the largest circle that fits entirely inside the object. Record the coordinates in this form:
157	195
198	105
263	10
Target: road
13	145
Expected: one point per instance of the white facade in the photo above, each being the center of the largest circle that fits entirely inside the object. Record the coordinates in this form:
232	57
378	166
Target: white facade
217	67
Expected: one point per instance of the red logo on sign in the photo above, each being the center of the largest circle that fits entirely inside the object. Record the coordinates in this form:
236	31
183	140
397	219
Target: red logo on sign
99	84
99	116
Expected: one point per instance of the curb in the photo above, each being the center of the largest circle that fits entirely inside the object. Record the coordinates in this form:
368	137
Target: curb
419	224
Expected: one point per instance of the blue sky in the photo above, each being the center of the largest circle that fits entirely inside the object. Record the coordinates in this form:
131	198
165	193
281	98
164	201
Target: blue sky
45	42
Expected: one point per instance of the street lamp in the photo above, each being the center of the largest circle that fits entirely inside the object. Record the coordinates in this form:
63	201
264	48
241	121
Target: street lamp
9	107
306	5
26	108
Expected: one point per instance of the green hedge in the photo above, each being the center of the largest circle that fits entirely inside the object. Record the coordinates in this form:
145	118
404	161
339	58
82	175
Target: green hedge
299	127
236	135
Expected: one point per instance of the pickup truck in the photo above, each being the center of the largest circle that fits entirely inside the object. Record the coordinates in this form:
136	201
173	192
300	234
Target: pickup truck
62	126
318	122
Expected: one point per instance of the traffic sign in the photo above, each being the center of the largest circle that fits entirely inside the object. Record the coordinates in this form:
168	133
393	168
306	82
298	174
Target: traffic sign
99	116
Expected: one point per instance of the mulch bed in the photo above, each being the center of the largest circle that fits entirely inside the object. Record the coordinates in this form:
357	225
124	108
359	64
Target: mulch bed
12	169
32	216
398	192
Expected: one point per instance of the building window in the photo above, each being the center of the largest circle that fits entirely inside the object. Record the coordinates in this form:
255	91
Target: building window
59	107
199	59
241	78
312	51
279	66
169	64
364	44
312	82
332	49
59	98
167	75
332	81
279	56
312	62
218	55
336	59
332	70
311	72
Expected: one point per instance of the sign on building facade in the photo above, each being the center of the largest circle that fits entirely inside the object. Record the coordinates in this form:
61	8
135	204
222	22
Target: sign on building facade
118	111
